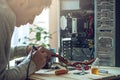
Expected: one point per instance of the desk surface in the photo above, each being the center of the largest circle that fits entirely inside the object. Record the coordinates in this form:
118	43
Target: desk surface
113	73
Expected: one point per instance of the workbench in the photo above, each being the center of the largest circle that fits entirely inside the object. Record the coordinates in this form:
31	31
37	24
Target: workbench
48	74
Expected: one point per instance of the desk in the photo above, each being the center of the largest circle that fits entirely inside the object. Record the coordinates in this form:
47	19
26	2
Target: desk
113	73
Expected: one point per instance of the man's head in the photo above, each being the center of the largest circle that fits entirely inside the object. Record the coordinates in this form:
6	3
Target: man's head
26	10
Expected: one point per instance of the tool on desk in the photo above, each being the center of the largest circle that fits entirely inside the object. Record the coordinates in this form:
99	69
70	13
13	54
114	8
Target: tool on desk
103	71
82	68
61	71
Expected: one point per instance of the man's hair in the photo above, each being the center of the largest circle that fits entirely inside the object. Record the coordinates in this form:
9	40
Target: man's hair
47	3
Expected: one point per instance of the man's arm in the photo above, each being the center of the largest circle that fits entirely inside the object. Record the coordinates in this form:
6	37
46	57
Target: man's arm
18	51
6	27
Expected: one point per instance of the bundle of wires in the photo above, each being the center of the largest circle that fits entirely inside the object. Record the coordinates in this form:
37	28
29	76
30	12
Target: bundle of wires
31	52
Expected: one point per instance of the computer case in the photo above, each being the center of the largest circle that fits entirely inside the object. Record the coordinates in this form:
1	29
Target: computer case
107	34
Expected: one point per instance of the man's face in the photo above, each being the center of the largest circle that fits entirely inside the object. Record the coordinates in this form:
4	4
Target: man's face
26	10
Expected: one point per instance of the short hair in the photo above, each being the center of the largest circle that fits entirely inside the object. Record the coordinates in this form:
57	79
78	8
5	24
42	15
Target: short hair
47	3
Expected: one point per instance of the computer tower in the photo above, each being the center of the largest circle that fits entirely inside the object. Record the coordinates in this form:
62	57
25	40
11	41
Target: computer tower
106	26
107	35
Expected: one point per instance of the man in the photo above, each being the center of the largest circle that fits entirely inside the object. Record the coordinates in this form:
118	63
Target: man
15	13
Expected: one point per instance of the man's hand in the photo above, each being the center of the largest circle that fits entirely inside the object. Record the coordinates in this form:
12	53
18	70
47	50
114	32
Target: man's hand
40	58
29	48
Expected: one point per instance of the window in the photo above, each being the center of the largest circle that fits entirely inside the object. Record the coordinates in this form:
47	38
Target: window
19	34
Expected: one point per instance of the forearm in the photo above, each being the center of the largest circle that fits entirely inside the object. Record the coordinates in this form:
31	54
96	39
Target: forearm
19	72
18	51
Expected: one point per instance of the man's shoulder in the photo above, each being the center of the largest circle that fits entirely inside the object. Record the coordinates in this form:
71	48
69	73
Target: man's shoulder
5	10
6	14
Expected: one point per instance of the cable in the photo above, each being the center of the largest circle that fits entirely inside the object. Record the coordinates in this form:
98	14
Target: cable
27	73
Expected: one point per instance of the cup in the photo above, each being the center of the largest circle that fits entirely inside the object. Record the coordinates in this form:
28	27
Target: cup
50	62
94	70
53	50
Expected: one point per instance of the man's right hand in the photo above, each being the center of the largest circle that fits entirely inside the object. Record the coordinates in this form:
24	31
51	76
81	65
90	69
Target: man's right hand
40	58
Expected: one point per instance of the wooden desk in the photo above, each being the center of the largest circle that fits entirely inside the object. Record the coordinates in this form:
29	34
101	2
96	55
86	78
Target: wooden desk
113	73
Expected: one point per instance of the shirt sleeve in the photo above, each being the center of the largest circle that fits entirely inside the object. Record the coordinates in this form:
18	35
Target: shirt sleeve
20	71
6	29
17	51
